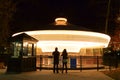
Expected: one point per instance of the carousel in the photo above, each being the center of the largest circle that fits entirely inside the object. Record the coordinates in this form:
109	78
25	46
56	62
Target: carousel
78	41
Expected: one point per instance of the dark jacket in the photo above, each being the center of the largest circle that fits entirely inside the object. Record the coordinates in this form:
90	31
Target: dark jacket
56	57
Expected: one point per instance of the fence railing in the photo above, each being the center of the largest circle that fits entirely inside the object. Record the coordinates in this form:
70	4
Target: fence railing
74	62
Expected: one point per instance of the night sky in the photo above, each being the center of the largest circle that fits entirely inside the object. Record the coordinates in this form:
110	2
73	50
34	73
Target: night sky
86	13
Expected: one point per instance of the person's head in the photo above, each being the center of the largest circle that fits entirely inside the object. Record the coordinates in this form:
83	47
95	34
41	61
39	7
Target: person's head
56	49
64	50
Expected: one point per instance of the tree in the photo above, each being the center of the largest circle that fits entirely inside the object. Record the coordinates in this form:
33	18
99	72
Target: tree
7	9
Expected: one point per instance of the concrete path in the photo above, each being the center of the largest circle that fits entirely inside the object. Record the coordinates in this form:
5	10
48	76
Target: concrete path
49	75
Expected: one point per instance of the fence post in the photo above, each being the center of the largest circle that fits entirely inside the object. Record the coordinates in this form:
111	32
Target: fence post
81	63
97	63
40	62
116	62
110	59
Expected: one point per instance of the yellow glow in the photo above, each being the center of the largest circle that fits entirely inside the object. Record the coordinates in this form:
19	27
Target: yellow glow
118	18
61	21
25	44
71	46
70	39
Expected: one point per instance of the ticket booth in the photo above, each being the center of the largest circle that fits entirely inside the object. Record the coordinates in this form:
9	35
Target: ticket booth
23	57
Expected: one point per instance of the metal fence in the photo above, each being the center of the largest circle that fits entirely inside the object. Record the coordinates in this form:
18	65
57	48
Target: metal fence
74	62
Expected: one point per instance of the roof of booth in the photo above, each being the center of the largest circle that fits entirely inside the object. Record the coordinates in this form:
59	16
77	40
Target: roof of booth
22	37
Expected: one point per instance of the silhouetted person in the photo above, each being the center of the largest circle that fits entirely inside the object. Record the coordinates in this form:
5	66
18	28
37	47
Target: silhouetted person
65	57
56	54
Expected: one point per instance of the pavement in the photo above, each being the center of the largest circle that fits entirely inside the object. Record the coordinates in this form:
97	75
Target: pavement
49	75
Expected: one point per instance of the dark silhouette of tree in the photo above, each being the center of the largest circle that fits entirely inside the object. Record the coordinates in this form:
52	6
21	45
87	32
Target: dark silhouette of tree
7	9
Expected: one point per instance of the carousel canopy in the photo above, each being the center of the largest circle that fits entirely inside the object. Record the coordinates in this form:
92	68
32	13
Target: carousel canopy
65	36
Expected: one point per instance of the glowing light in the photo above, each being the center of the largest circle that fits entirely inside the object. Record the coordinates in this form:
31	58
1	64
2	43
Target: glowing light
61	21
70	39
118	18
25	44
71	46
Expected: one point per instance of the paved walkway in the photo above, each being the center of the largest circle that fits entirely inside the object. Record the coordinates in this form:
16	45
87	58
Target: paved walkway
49	75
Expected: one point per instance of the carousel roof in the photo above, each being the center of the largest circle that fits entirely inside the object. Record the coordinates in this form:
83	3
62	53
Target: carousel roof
63	35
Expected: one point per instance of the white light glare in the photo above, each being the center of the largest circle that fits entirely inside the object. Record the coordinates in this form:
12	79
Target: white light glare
71	46
72	40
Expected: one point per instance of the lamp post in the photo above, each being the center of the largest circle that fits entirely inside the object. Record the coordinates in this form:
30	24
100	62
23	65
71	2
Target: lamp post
107	16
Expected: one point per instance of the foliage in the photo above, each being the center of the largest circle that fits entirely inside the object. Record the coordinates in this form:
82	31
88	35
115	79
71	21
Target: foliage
110	57
7	9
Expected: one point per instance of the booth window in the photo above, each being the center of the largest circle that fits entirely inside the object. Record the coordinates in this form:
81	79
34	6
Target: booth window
17	46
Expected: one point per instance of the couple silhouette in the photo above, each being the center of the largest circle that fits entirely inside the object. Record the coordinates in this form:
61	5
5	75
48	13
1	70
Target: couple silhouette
56	55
